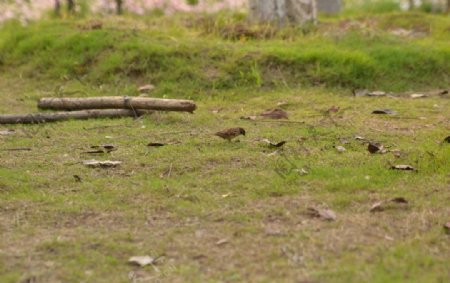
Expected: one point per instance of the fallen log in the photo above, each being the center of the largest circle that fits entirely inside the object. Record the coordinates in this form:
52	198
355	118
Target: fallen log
117	102
62	116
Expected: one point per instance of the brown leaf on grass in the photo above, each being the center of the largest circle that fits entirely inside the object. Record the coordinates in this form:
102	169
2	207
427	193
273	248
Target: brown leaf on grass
375	147
146	88
377	206
156	144
141	260
102	164
399	200
272	144
376	93
7	132
107	147
418	95
301	171
403	167
222	242
275	114
340	148
104	148
384	111
325	214
94	152
383	205
359	138
366	92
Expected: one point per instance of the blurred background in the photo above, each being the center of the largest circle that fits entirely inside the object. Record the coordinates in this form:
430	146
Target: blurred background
27	10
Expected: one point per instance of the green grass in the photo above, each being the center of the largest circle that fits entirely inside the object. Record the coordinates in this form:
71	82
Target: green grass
181	199
169	52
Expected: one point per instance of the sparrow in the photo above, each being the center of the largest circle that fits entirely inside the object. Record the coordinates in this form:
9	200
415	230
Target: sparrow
231	133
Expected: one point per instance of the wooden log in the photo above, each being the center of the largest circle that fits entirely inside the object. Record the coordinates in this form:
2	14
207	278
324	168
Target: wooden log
62	116
117	102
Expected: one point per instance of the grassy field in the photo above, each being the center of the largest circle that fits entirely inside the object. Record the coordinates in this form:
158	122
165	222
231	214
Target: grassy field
228	212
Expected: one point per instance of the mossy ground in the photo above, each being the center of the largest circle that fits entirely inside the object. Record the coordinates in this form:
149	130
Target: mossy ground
222	211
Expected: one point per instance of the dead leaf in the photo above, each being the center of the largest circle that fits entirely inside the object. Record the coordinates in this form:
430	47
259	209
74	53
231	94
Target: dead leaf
403	167
94	152
418	95
275	114
104	148
156	144
109	147
141	260
376	206
399	200
366	92
360	138
375	148
222	242
301	171
7	132
146	88
340	148
102	164
325	214
389	238
272	144
251	118
382	205
376	93
384	111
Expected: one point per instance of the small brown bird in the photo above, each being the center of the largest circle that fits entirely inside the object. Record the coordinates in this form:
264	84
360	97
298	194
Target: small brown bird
231	133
